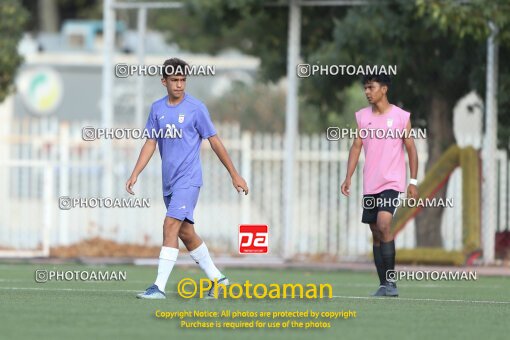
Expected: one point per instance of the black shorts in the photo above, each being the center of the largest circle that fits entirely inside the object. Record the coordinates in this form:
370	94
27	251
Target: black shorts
386	200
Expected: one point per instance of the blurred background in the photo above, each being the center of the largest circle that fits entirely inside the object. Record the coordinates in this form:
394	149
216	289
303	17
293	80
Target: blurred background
57	76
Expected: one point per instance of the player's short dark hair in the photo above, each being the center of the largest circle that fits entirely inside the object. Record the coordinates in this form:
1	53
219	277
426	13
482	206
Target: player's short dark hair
177	67
382	79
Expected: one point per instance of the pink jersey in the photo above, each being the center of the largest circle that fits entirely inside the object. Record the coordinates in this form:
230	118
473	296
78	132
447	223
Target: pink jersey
384	156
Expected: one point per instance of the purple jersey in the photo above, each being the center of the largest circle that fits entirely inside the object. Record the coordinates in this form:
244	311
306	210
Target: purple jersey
183	127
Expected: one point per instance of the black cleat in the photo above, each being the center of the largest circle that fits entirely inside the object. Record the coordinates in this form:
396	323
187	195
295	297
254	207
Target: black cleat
381	291
391	289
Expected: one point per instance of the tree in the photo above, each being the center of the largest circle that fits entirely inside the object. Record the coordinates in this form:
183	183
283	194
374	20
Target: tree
48	15
255	27
12	20
471	20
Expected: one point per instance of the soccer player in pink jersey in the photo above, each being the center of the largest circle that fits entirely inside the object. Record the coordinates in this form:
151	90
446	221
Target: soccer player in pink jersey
384	172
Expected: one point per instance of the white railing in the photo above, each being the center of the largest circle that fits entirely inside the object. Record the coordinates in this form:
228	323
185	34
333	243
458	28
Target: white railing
42	159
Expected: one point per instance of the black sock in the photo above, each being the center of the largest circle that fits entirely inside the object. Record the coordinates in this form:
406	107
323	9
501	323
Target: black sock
379	264
388	255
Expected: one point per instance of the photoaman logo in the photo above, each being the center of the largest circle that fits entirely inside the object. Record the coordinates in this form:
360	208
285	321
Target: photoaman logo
253	239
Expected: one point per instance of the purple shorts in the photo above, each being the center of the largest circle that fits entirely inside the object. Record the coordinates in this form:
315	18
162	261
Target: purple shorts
181	203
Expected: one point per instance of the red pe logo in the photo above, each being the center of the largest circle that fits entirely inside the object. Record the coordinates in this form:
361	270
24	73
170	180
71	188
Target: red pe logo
253	239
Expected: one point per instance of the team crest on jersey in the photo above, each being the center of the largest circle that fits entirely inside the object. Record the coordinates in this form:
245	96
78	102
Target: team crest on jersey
181	118
389	122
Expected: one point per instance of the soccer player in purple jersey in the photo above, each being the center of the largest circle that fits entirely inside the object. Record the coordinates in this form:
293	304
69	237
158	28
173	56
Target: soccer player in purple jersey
177	123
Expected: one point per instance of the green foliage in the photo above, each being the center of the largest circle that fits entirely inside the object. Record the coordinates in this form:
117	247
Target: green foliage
257	28
430	62
12	20
469	20
68	9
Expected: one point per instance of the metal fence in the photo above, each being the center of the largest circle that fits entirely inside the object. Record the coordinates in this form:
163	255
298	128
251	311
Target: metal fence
42	159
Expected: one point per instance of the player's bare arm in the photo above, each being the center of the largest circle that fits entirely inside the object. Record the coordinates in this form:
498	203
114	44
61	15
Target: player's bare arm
144	158
354	153
220	151
412	154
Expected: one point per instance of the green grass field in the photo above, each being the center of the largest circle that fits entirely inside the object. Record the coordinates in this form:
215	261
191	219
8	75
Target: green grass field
109	310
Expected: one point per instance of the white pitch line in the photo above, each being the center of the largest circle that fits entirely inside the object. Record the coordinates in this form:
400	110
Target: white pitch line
357	285
418	299
72	289
408	285
334	296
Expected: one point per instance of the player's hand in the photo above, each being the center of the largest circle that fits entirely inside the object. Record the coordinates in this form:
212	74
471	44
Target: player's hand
129	184
346	185
412	191
240	184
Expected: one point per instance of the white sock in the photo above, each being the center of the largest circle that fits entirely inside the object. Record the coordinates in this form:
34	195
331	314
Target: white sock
167	258
201	256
